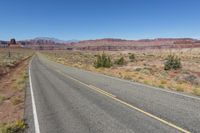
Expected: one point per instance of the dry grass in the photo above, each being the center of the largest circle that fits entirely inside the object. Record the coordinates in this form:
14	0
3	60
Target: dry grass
147	66
18	126
12	86
196	91
16	56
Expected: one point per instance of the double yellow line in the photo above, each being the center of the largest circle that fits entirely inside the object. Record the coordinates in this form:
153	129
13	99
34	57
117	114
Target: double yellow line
125	103
101	91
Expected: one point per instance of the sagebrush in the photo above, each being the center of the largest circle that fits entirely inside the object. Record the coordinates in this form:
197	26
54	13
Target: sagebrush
132	57
103	61
120	61
172	62
18	126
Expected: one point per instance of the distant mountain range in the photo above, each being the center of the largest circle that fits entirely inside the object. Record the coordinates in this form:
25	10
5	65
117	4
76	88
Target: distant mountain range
107	43
54	40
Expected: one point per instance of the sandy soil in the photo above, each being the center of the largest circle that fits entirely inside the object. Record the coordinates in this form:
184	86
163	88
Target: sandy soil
12	93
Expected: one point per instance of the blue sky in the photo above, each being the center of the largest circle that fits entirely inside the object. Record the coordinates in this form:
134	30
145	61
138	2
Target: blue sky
93	19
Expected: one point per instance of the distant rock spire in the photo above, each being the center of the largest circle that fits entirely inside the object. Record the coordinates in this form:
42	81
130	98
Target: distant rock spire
13	41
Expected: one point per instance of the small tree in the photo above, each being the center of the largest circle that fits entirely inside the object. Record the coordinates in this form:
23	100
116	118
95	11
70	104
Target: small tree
172	62
103	61
132	57
120	61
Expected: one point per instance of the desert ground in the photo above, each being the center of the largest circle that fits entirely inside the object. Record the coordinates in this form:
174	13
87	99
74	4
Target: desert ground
147	66
13	77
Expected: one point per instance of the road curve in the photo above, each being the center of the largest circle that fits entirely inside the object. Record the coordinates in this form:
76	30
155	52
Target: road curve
70	100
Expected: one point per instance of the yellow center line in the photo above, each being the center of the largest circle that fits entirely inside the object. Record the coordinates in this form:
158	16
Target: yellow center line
101	91
127	104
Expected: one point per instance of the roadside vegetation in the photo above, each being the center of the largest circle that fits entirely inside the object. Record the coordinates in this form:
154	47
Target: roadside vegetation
102	61
13	79
18	126
121	61
177	69
172	62
132	57
9	58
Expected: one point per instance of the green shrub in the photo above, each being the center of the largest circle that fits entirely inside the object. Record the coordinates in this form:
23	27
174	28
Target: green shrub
132	57
161	86
172	62
17	127
103	61
120	61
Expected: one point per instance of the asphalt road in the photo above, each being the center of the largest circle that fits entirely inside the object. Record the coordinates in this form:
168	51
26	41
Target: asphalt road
62	99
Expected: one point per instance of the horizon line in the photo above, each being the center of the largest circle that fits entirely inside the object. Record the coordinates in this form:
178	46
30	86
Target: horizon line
138	39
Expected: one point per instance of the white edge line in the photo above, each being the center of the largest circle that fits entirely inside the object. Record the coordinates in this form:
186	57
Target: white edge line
134	83
155	88
137	83
36	123
129	105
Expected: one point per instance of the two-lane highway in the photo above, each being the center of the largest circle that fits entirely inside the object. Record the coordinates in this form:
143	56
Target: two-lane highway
70	100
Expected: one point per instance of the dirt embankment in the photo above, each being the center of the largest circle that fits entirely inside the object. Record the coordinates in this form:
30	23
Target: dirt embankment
11	67
12	93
